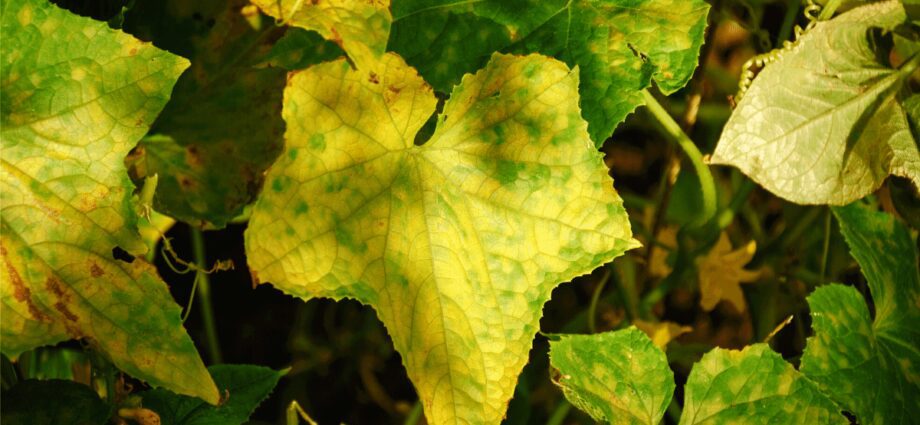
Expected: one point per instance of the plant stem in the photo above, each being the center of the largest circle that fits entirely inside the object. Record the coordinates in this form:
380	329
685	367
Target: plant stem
785	31
829	9
562	410
414	415
826	248
595	297
204	297
673	131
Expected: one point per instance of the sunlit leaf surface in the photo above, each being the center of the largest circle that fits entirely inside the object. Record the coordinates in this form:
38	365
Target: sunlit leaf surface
456	243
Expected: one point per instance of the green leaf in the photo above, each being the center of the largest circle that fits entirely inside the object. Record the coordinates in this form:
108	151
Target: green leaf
620	45
299	48
444	44
870	367
76	97
456	243
822	125
616	377
359	27
53	402
752	386
246	386
222	128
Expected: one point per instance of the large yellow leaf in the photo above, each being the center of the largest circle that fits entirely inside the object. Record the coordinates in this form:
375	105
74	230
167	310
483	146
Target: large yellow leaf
456	243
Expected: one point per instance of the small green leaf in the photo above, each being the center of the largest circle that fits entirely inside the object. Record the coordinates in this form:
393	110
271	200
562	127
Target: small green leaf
222	128
823	125
359	27
620	45
456	243
616	377
870	367
752	386
76	97
246	386
53	402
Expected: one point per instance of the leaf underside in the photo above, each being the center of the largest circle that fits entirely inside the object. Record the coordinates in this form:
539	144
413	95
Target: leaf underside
824	124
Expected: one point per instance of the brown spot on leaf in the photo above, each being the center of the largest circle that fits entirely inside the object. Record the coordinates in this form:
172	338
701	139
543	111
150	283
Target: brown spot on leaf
62	308
56	287
133	51
336	38
255	278
20	291
185	182
373	78
95	270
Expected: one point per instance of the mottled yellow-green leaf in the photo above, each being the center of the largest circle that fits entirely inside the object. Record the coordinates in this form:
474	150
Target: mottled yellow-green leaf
359	27
753	386
824	124
456	243
76	97
870	367
616	377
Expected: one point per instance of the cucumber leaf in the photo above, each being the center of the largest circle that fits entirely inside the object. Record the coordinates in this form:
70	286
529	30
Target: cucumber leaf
53	402
359	27
457	243
870	367
616	377
753	386
76	97
222	128
245	387
620	45
824	123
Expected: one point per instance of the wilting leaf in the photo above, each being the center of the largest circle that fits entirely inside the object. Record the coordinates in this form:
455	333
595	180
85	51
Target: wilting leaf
870	367
456	243
76	97
823	124
616	377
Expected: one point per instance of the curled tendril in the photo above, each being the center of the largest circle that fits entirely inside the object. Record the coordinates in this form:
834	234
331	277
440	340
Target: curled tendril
811	12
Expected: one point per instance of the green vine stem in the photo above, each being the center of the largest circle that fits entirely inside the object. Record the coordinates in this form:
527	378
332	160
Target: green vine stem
204	297
673	131
415	414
